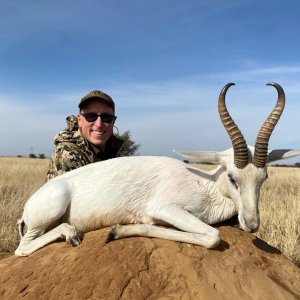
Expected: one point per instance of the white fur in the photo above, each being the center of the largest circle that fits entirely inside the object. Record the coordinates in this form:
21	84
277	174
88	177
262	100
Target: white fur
146	191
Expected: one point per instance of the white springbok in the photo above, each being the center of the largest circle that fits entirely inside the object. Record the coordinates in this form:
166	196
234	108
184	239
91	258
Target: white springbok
135	194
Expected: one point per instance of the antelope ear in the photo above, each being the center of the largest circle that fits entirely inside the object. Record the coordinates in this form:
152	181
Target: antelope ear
278	154
209	157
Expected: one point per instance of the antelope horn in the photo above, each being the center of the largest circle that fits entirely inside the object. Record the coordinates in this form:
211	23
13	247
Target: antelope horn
237	139
262	139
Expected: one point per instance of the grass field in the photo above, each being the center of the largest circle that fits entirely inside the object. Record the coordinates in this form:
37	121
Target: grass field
279	205
19	178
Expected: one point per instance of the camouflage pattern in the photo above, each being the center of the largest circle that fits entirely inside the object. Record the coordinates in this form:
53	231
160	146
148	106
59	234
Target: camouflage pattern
73	151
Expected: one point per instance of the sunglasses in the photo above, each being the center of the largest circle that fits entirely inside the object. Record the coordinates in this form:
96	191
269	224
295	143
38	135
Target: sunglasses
92	117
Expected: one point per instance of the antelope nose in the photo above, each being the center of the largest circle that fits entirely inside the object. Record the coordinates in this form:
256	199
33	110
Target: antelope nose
253	226
254	229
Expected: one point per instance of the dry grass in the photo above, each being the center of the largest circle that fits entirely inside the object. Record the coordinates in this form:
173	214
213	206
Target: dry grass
19	178
279	206
280	211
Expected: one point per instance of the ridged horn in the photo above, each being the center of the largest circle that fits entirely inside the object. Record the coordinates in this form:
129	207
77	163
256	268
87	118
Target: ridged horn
262	139
237	139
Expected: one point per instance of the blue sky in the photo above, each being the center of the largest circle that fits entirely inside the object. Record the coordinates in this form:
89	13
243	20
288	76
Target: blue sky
164	63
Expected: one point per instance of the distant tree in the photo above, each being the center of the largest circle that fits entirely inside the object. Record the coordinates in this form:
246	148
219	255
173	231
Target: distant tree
129	147
42	156
32	155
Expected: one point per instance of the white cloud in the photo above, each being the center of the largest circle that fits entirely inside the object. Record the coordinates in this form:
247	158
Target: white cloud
255	74
192	120
161	116
27	127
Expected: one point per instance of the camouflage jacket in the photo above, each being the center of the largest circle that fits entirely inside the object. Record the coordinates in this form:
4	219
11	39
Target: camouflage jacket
72	150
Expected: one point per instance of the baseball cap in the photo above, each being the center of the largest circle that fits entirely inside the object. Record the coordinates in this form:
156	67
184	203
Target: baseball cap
97	95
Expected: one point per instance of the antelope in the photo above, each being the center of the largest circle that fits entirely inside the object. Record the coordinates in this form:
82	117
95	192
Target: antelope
158	197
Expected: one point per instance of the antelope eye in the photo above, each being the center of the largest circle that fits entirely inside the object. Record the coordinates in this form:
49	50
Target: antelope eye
230	176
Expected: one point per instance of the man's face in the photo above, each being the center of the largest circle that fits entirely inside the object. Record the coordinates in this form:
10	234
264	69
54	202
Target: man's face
99	131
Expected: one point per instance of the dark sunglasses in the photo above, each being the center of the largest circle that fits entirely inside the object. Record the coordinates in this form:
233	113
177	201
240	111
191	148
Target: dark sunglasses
92	117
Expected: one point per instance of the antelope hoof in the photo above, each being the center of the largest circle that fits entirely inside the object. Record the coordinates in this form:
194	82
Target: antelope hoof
112	235
74	240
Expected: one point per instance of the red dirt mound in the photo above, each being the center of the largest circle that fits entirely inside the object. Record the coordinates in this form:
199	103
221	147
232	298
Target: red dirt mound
242	267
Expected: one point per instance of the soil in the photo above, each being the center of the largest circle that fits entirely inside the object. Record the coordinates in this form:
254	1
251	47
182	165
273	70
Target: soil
242	267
